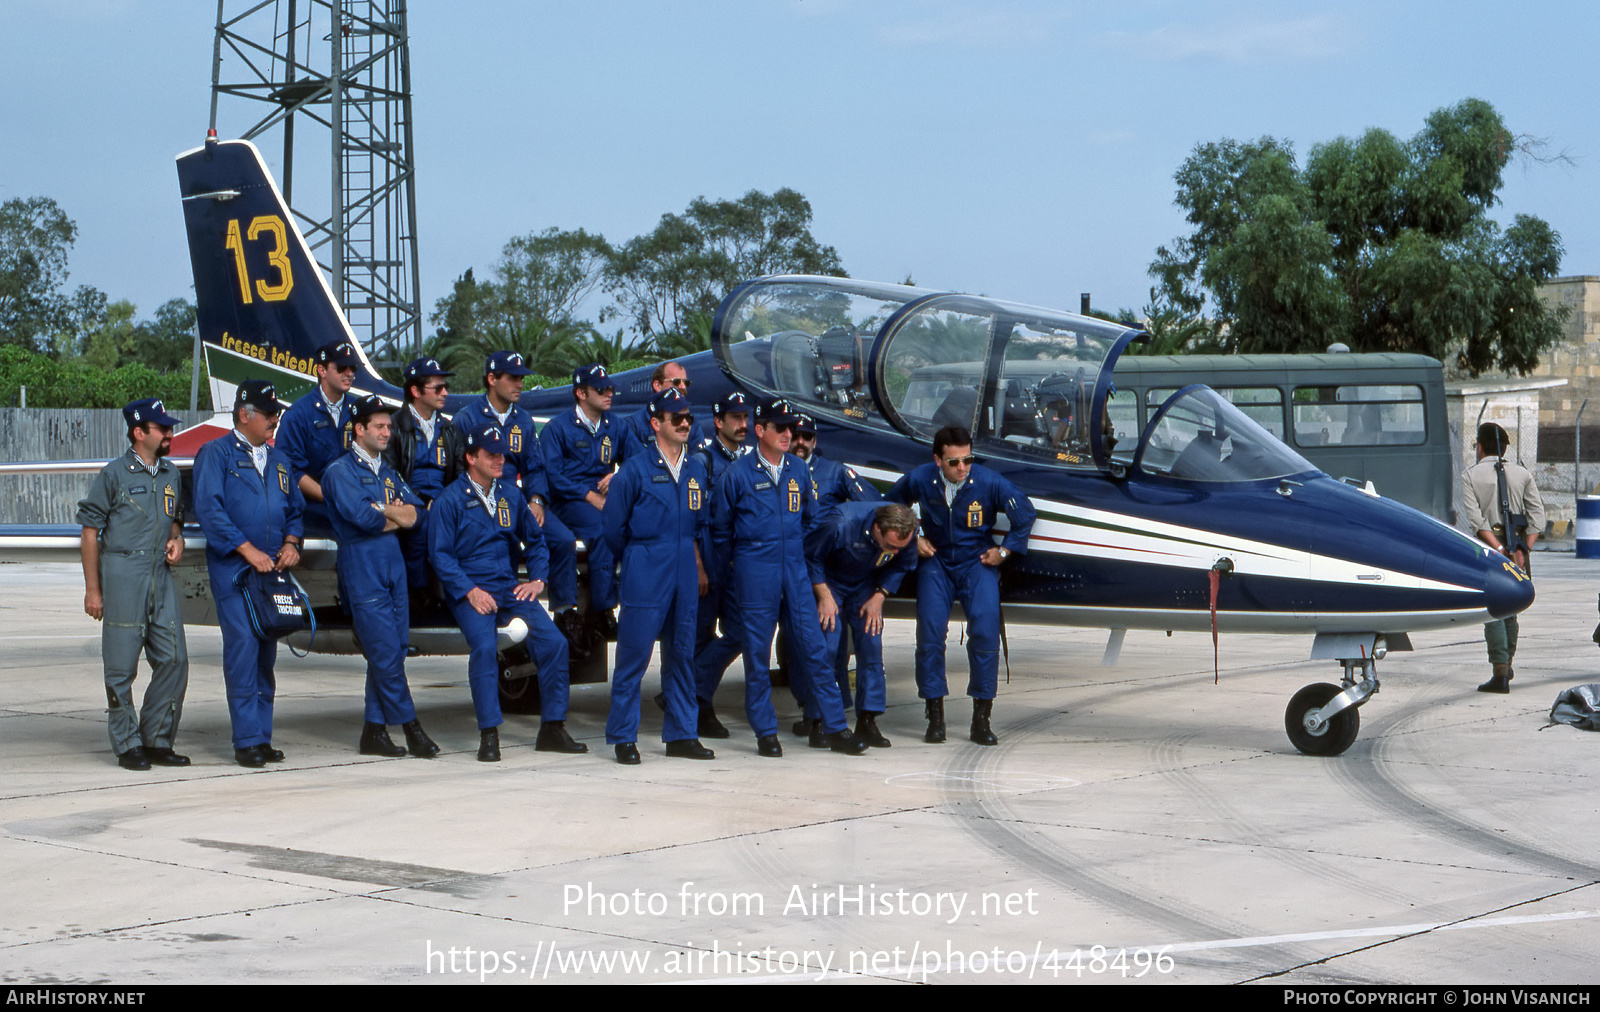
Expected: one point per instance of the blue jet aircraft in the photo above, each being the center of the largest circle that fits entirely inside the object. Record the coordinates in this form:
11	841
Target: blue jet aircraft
1207	522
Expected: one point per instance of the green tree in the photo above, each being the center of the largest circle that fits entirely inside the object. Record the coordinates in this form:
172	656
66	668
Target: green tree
1381	243
690	261
35	235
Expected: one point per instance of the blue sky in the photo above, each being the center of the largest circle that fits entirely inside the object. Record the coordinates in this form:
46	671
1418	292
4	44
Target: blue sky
1024	150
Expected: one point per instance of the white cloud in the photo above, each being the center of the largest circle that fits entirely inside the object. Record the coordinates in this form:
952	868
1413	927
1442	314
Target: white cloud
973	25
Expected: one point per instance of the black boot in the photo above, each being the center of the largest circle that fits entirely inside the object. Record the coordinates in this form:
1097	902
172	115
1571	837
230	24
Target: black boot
418	742
708	725
934	711
980	722
553	737
689	748
570	623
867	731
489	745
847	743
375	740
818	737
1500	682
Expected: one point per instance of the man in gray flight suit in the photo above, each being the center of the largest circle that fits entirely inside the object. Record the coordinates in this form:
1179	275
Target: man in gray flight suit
1512	537
132	535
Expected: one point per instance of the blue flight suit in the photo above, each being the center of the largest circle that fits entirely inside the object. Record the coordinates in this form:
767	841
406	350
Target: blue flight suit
525	467
855	568
234	504
634	434
429	465
832	483
651	525
312	439
761	525
575	461
372	579
961	532
713	653
471	547
134	511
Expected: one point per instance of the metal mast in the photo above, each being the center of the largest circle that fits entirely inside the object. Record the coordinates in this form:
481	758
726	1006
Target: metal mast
342	67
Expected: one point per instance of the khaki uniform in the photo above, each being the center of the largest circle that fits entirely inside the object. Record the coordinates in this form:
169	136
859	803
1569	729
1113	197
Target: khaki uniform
1480	500
134	511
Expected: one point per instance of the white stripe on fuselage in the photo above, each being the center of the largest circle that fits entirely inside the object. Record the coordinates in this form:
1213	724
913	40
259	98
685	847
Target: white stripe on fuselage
1166	544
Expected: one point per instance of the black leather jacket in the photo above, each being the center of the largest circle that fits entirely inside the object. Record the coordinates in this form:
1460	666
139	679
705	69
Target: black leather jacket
402	451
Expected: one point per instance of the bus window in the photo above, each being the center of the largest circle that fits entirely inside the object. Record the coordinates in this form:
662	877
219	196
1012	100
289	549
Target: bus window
1262	405
1359	416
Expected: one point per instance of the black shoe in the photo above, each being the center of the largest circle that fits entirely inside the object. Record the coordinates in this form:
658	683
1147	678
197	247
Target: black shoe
769	747
689	748
934	711
708	725
628	754
165	757
867	731
252	757
418	742
134	759
661	701
489	745
981	733
375	740
272	754
553	737
818	738
800	728
847	743
1500	682
606	622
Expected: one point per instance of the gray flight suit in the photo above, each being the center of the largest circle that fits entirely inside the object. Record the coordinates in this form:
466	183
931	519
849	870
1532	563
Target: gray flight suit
134	512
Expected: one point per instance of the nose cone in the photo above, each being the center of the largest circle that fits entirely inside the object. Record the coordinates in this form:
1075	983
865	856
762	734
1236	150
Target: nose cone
1508	589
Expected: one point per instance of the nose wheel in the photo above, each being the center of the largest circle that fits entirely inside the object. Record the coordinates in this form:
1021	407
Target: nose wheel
1324	719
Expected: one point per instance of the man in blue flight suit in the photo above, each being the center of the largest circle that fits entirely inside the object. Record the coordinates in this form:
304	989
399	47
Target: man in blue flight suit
367	502
960	502
865	550
579	448
832	483
249	508
132	520
479	531
655	511
636	434
503	375
762	511
713	653
315	431
424	449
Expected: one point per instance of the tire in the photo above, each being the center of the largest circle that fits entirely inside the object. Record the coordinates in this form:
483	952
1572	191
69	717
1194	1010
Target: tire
518	695
1336	736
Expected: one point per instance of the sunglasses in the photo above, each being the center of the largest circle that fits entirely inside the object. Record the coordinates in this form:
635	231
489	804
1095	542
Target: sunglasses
681	382
436	388
955	461
682	418
780	426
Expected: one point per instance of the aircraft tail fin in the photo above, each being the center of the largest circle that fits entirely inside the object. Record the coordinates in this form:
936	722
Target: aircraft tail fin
262	302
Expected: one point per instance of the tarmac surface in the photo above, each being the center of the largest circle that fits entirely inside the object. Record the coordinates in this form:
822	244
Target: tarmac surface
1140	808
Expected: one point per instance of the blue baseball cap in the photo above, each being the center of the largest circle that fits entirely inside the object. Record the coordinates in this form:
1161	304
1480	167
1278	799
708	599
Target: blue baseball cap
778	412
424	367
336	353
506	362
258	394
804	423
670	401
149	411
487	438
733	402
367	405
592	376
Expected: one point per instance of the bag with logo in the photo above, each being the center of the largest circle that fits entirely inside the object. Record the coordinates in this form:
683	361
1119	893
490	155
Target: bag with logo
276	603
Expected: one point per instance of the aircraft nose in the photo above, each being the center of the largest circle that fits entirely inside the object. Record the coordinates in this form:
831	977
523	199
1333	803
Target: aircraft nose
1508	589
